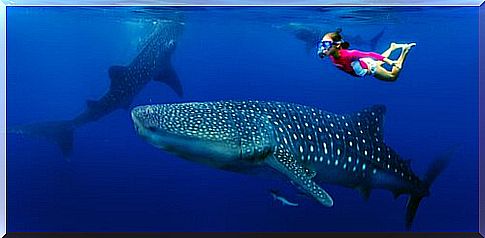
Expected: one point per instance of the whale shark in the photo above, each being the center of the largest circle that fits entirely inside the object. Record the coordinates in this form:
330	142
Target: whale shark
153	62
311	35
308	146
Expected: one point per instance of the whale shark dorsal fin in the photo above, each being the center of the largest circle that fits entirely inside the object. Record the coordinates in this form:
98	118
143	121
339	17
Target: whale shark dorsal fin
116	74
170	77
373	42
370	120
284	162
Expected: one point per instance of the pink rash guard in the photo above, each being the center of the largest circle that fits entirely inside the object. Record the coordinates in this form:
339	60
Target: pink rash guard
348	56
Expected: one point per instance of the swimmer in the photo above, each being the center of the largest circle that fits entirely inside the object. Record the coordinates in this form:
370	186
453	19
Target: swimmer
360	64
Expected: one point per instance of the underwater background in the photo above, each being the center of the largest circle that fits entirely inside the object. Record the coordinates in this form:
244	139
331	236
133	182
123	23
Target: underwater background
58	57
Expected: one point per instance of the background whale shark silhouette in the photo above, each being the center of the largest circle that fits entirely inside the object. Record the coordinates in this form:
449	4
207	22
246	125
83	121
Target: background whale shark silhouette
311	35
153	62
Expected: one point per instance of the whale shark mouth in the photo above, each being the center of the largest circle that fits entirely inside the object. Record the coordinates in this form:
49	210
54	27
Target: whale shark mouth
172	128
139	116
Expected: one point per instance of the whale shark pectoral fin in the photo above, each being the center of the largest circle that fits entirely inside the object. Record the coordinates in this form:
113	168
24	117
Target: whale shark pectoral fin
170	77
310	173
284	162
117	74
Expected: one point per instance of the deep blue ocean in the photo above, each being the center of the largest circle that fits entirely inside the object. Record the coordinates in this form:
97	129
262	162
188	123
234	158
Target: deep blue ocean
58	57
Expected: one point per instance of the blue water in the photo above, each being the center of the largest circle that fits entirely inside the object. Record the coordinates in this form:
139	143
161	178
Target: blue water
114	181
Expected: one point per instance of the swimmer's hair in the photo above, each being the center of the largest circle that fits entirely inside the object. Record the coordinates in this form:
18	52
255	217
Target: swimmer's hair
336	36
345	45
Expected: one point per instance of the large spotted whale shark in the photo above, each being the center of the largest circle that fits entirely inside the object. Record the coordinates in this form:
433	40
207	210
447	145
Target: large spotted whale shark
153	62
307	145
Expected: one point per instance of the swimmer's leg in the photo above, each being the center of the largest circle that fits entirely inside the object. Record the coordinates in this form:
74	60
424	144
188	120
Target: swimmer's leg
393	47
402	57
385	75
388	52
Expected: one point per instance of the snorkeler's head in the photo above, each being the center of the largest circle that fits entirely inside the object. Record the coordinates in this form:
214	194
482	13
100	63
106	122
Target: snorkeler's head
334	35
331	42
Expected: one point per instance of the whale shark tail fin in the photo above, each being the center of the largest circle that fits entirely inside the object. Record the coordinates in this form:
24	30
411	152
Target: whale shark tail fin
435	169
170	77
59	132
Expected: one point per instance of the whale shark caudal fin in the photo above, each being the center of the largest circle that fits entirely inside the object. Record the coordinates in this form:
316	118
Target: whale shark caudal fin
59	132
434	170
284	162
170	77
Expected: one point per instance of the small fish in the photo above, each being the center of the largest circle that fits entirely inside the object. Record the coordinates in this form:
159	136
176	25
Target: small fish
283	200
